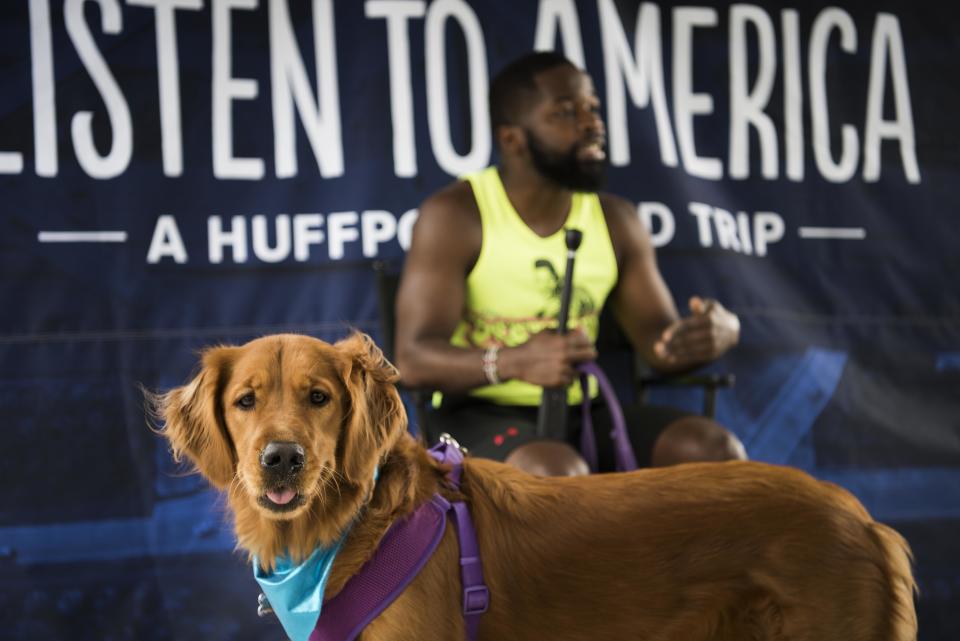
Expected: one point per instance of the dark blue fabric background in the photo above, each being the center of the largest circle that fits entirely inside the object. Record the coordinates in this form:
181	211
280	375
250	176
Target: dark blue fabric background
849	365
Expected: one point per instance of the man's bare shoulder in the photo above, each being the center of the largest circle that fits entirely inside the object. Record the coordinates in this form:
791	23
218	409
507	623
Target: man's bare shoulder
627	232
448	226
452	205
616	207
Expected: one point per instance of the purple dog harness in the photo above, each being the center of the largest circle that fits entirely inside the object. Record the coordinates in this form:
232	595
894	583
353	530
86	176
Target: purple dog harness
411	541
403	551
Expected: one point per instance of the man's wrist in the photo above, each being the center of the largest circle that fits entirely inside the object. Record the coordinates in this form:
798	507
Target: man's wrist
506	364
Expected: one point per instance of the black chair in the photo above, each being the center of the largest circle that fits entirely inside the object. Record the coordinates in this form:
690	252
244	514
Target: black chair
612	345
387	276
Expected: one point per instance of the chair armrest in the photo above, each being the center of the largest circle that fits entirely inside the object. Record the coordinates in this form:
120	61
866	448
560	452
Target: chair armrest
710	382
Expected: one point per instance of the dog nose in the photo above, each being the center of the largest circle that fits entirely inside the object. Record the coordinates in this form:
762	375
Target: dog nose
281	457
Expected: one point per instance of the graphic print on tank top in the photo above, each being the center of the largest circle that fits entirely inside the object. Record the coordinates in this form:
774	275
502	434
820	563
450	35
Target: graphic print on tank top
485	329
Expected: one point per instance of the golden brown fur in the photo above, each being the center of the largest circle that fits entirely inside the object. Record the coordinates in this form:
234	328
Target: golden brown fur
706	551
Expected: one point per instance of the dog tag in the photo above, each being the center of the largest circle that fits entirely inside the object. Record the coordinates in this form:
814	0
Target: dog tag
263	606
446	439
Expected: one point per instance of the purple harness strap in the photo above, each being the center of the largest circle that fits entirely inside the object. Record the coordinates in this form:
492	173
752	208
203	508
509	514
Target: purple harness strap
403	551
622	450
476	596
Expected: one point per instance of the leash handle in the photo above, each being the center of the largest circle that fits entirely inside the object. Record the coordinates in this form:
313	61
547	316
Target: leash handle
552	416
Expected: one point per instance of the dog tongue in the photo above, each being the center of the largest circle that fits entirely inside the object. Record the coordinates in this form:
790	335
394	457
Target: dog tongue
281	496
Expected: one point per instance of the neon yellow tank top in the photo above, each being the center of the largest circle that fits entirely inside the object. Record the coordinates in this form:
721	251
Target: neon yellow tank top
513	290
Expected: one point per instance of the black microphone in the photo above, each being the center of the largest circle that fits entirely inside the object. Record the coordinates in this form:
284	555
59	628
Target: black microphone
552	417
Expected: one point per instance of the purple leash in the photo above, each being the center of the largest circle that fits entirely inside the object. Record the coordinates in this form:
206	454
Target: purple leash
624	457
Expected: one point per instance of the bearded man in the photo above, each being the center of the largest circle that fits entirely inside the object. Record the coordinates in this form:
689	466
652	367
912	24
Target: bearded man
476	309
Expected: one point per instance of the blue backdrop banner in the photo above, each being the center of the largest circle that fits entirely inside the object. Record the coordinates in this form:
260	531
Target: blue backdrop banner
183	172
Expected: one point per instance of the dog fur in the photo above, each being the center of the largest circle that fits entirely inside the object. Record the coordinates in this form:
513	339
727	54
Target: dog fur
713	551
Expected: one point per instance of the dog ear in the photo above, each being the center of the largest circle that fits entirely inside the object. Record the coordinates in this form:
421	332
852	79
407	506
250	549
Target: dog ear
375	418
193	422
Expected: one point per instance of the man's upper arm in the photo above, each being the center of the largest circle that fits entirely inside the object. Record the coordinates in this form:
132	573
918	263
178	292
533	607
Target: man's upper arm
445	245
641	299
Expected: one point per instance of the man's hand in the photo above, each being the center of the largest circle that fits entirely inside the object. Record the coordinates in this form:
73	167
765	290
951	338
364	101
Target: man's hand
705	335
547	359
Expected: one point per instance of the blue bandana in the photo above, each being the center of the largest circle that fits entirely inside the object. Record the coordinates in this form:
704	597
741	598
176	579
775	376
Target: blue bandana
295	592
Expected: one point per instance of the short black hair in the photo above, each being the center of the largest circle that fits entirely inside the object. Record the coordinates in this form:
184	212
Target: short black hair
515	87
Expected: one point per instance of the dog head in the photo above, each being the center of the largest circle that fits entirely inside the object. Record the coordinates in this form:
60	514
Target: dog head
287	423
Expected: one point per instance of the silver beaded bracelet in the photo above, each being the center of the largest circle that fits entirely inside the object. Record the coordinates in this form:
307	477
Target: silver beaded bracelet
490	365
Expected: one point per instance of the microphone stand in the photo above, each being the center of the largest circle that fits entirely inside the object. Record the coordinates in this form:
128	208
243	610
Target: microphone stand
552	416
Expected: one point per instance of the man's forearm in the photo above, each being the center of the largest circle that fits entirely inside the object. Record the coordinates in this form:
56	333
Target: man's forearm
436	364
548	359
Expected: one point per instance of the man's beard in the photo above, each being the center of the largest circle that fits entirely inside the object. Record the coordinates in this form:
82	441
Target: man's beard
566	169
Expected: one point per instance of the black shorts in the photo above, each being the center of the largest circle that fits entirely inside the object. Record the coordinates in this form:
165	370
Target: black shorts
493	431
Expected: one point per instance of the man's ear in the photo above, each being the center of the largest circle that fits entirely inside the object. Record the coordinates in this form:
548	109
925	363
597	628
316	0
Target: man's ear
375	418
511	140
192	418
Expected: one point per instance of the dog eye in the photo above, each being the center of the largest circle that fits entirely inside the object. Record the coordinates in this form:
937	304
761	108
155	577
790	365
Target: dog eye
318	398
247	401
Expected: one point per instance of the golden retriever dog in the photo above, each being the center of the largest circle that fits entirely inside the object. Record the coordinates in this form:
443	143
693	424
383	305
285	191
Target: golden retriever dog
732	550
